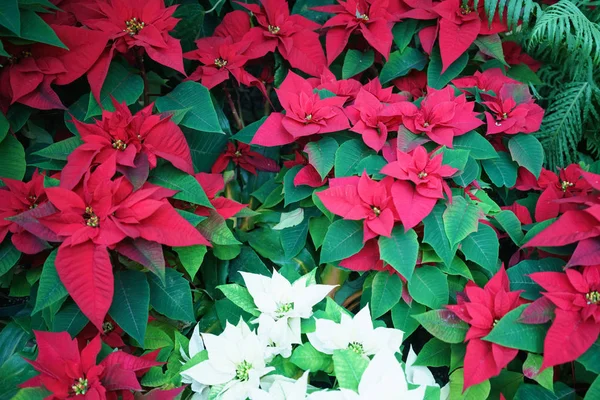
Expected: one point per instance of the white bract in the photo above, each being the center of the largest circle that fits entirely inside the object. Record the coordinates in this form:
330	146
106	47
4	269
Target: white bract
284	303
277	387
235	363
422	376
196	345
277	337
356	334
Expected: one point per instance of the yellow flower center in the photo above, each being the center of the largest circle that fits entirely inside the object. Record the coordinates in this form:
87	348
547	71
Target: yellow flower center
308	118
91	219
119	145
133	26
565	185
237	154
80	387
422	175
220	63
465	10
107	327
376	210
426	124
274	29
593	297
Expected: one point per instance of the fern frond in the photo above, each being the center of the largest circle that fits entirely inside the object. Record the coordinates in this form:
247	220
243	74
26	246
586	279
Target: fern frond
563	26
511	11
563	125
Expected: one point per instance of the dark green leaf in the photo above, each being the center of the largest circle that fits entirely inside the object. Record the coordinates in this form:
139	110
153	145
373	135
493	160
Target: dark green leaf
70	319
527	151
356	62
35	29
518	275
291	192
9	255
435	234
321	155
12	155
400	64
348	156
130	303
247	133
172	298
122	84
460	220
402	316
51	290
188	188
10	17
435	78
482	247
343	239
403	32
60	150
502	170
435	353
479	147
429	286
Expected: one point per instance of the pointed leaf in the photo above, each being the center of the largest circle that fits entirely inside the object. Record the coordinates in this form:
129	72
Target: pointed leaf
400	250
502	170
527	151
509	332
435	78
188	188
356	62
343	239
482	247
444	325
386	290
122	84
130	303
349	367
172	298
460	220
429	286
51	290
401	63
321	155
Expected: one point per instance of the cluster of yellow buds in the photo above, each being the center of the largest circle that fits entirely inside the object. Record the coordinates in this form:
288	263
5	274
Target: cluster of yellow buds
133	26
119	145
565	185
91	219
220	63
274	29
80	387
593	297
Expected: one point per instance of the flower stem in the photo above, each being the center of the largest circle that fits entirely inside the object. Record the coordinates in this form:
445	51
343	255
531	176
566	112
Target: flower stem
238	121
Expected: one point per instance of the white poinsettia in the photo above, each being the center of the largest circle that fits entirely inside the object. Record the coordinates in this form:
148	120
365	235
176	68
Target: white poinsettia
356	334
283	302
422	376
235	363
278	387
196	345
277	337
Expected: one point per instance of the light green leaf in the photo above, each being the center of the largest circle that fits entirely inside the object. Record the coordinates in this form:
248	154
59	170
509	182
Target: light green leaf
429	286
191	258
509	332
400	250
444	325
343	239
9	255
482	247
241	297
321	155
491	46
527	151
435	353
349	367
51	290
122	84
348	156
386	290
460	220
480	148
435	234
188	188
402	316
511	225
502	170
310	359
475	392
172	298
356	62
130	303
400	64
531	370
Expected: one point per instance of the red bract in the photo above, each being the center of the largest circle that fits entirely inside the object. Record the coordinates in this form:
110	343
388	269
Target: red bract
482	309
569	183
110	334
245	158
292	35
512	111
127	143
371	18
212	185
373	119
513	55
414	201
27	76
307	175
576	324
306	114
100	216
362	198
347	88
71	374
224	53
18	197
415	83
490	79
383	95
442	116
133	23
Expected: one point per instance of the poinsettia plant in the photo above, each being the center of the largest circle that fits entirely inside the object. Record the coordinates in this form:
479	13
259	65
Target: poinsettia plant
312	199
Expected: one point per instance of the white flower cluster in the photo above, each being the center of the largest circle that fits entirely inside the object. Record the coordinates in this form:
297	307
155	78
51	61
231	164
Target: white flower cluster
235	364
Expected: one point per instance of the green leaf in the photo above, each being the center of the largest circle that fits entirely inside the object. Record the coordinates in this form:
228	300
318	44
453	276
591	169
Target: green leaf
506	383
460	220
509	332
594	390
321	155
534	392
400	250
590	359
172	298
518	275
130	303
435	234
435	353
14	372
191	258
491	46
51	290
291	192
527	151
293	239
523	73
205	148
482	247
201	115
12	155
429	286
310	359
188	188
386	290
60	150
435	78
31	393
10	17
343	239
35	29
247	261
356	62
348	156
475	392
349	367
241	297
400	64
444	325
403	32
479	147
511	225
4	125
456	158
121	83
402	316
12	339
247	133
471	172
502	170
3	53
531	370
9	255
70	319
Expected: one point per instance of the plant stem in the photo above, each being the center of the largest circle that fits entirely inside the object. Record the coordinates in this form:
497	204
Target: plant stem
351	298
239	107
140	61
238	121
267	102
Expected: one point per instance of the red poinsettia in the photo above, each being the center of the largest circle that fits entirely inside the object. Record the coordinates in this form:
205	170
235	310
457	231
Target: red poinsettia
308	174
576	323
512	111
129	144
132	23
347	88
224	53
212	185
415	83
18	197
514	55
27	75
441	116
491	79
111	333
373	119
306	114
70	374
292	35
370	18
362	198
100	215
384	95
482	308
243	156
421	183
